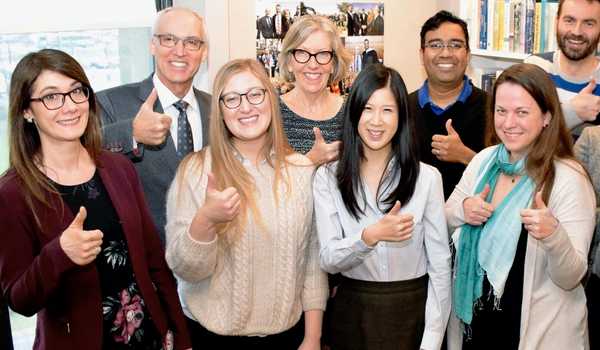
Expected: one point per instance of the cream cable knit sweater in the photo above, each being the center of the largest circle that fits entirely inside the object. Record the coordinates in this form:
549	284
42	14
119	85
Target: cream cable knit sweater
261	283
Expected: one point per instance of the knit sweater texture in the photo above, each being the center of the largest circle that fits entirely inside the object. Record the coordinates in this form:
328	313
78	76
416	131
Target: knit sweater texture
262	281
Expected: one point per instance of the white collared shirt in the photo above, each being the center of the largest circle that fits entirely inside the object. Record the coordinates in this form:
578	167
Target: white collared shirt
426	252
167	98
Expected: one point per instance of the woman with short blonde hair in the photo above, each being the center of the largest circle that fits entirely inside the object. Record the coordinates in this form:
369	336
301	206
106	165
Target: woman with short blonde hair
313	57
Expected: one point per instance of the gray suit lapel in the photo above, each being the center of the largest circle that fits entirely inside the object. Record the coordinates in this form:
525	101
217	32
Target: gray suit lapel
204	105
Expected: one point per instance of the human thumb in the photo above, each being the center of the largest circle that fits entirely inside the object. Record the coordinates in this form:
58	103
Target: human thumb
589	88
151	99
449	128
396	208
486	190
539	202
318	136
79	219
211	184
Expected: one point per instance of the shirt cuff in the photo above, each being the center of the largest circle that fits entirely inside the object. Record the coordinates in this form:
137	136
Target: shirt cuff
431	340
361	247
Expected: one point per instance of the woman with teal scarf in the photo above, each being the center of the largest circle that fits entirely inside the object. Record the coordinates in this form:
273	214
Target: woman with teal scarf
523	215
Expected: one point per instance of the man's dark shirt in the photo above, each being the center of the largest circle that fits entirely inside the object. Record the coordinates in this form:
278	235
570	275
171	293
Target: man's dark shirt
468	119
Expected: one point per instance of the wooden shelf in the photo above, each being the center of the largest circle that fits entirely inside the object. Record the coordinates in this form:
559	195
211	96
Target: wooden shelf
513	56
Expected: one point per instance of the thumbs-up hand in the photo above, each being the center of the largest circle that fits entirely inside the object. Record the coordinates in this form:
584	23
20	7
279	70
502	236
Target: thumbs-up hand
585	103
79	245
149	127
476	208
392	227
220	206
323	152
450	148
539	221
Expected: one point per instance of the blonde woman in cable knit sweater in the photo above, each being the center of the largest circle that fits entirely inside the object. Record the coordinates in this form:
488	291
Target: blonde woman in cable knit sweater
240	236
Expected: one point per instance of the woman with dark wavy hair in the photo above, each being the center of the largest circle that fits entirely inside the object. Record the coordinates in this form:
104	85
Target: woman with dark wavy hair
381	224
78	246
524	211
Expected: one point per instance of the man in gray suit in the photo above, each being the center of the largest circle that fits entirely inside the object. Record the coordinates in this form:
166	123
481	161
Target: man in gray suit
157	121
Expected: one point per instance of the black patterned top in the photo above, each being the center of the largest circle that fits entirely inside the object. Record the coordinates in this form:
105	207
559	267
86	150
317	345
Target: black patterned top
127	323
299	130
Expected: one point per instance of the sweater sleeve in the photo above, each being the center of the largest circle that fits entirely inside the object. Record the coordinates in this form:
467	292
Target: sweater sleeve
437	309
189	259
316	289
29	274
464	189
573	203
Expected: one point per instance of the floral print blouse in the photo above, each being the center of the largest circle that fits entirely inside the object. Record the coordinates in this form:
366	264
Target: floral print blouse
127	323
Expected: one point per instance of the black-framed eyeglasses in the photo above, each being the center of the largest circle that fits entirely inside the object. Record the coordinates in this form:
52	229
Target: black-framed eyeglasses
453	45
56	100
254	96
191	43
303	56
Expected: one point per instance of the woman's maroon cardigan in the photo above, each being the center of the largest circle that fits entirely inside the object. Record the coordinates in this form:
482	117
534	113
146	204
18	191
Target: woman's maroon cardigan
37	277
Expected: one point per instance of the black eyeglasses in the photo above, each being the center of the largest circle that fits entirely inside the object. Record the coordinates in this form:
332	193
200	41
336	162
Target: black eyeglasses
56	100
453	46
254	96
191	43
303	56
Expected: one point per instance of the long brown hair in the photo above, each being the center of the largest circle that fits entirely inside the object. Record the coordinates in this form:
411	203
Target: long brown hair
25	154
226	167
554	142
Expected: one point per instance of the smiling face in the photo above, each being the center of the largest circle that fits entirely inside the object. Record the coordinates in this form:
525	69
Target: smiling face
378	122
445	67
176	66
66	124
311	76
248	122
578	29
518	119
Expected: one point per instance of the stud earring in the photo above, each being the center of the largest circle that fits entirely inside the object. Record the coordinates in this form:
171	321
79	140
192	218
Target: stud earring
29	119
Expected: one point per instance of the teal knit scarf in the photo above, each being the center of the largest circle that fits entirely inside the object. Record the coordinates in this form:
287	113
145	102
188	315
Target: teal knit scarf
490	248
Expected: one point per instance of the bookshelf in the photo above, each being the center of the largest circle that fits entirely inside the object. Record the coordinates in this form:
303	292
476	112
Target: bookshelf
505	32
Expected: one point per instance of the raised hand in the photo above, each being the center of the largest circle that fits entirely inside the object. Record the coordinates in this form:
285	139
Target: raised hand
585	103
393	227
323	152
220	206
449	148
79	245
539	221
149	127
476	209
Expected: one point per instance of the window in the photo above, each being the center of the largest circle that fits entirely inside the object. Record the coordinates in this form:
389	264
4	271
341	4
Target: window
109	57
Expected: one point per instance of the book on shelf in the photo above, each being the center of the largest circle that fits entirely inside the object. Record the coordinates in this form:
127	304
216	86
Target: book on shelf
485	78
519	26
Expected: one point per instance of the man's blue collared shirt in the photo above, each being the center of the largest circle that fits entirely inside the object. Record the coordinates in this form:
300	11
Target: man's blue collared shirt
425	98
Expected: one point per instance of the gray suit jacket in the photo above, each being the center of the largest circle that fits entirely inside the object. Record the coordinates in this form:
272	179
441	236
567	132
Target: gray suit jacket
587	150
156	165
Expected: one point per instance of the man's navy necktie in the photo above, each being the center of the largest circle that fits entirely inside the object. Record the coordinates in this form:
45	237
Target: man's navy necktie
185	140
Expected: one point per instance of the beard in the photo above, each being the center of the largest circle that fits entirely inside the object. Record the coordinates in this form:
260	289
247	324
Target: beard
580	53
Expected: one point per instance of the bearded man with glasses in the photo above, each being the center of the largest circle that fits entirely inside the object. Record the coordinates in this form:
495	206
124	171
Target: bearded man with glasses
158	121
449	109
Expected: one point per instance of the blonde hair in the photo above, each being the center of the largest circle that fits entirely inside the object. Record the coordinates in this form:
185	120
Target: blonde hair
299	32
226	167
